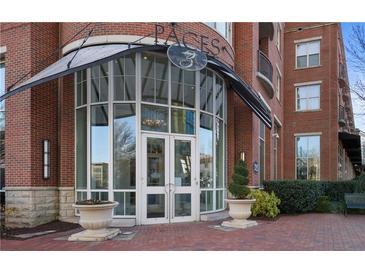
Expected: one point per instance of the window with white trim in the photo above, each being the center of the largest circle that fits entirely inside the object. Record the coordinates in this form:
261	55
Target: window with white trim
307	54
278	84
308	97
307	160
224	28
262	152
278	36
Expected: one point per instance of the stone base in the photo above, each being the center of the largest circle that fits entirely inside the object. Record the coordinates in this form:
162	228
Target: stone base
66	199
95	235
239	223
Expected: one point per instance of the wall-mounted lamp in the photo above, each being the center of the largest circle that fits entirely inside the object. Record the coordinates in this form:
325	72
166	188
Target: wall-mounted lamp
242	156
46	159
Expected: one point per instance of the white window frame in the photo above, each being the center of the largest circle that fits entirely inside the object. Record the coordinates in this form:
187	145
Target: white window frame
278	83
305	41
278	37
302	135
228	26
297	86
261	138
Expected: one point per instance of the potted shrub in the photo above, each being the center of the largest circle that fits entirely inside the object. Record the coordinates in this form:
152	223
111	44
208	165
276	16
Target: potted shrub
95	217
240	204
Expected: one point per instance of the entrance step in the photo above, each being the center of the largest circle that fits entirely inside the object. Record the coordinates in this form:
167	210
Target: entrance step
216	216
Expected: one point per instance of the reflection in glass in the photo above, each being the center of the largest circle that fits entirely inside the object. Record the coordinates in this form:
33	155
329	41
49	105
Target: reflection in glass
182	205
102	196
182	121
81	195
99	147
308	157
182	163
219	97
155	205
182	87
81	82
99	83
124	146
81	148
154	118
219	199
219	148
206	90
127	203
206	201
119	197
206	151
155	161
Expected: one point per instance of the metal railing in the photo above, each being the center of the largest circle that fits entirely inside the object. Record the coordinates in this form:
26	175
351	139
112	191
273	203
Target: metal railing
341	116
265	66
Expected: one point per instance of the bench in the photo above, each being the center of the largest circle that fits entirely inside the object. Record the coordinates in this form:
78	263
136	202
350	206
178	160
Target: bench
354	200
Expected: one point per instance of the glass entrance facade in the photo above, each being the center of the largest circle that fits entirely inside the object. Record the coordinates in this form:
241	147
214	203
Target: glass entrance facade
119	101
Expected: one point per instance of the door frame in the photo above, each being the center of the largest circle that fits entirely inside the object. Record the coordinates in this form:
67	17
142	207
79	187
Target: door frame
169	177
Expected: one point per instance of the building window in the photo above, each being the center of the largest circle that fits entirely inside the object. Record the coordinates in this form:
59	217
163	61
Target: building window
307	54
278	84
118	101
307	160
308	97
224	28
278	36
262	152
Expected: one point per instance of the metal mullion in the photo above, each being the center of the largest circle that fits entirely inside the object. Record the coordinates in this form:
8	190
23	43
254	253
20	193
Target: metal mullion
139	187
111	131
214	141
197	142
88	150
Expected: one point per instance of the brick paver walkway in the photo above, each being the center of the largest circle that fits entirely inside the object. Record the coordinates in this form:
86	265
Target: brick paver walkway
302	232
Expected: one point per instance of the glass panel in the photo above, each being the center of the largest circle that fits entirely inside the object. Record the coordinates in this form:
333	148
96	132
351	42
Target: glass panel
313	103
119	197
313	146
81	148
102	196
130	203
206	201
314	60
155	162
206	90
219	154
301	169
81	88
124	146
262	130
130	88
301	147
206	151
162	92
219	199
182	205
182	121
313	47
182	163
262	161
99	83
99	147
148	69
219	97
148	90
301	61
154	118
81	195
155	205
189	96
161	68
301	49
176	74
313	169
130	64
177	94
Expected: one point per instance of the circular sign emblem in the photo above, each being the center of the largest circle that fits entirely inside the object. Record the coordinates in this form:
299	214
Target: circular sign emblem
187	58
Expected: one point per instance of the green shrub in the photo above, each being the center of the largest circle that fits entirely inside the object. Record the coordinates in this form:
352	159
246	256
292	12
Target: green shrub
266	204
295	196
360	183
336	190
324	205
238	187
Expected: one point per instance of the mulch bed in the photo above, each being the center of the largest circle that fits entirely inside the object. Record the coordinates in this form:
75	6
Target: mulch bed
57	226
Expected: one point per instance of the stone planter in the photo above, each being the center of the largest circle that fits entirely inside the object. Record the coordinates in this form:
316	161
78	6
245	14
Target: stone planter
95	219
240	210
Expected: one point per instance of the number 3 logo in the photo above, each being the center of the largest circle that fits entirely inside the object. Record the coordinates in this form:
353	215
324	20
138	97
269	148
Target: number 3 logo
188	61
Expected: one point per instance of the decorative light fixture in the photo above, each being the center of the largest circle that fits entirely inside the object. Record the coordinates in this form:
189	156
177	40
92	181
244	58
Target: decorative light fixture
46	159
242	156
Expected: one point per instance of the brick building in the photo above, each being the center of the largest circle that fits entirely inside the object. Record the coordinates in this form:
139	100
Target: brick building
99	111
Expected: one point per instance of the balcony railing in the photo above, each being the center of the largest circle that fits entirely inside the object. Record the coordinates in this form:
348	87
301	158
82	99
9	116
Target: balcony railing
265	73
342	77
265	66
341	116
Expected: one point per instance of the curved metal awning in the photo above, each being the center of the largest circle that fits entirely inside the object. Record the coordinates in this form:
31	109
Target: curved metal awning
94	55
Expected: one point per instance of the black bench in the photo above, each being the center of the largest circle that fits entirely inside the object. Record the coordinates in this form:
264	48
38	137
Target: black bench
354	200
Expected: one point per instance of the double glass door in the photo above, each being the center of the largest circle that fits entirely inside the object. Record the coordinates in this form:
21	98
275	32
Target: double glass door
168	179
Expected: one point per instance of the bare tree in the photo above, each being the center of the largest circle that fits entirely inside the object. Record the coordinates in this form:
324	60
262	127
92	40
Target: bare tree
356	49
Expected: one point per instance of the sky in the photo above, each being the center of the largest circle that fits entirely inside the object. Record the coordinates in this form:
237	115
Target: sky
354	76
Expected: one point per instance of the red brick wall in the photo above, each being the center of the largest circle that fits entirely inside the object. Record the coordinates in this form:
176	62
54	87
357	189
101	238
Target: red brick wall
325	120
31	116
